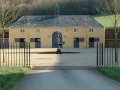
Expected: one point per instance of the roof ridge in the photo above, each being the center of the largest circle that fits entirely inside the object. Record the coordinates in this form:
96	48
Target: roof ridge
62	21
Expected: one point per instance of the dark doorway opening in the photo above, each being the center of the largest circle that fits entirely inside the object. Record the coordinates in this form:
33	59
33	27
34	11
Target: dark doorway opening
57	37
22	42
76	43
37	43
91	42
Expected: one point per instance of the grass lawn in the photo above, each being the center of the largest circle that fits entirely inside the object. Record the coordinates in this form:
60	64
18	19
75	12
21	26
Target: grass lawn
107	21
9	76
112	72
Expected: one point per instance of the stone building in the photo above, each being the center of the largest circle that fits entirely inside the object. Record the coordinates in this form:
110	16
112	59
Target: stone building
49	31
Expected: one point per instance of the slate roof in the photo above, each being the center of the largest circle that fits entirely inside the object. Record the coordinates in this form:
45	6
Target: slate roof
56	21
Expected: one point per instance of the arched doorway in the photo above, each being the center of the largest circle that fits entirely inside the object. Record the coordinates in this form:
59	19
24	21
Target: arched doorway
57	39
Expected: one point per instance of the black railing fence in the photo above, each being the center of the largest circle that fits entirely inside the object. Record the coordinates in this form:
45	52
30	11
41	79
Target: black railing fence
14	54
108	55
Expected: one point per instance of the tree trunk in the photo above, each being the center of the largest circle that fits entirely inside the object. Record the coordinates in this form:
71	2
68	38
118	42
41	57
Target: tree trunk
116	55
3	42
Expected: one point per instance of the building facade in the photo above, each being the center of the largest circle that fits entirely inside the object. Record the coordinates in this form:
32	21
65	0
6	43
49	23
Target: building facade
70	31
108	23
110	38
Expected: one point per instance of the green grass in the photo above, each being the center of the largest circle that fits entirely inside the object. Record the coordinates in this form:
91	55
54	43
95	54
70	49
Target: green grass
9	76
112	72
108	20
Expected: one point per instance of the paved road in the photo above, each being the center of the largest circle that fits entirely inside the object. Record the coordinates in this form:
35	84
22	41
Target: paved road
67	80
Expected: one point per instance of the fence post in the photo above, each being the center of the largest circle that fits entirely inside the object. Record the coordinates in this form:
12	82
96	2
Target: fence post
19	57
112	54
5	57
3	53
8	56
29	55
24	54
11	54
117	53
97	54
16	53
107	56
0	56
102	52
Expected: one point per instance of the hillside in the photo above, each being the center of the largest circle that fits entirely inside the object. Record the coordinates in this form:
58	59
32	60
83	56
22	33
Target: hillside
107	21
67	7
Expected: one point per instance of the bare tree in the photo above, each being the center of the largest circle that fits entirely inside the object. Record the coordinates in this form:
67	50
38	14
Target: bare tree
9	12
112	7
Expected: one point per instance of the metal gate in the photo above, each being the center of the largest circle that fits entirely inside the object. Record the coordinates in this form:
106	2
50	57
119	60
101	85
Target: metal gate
108	56
14	55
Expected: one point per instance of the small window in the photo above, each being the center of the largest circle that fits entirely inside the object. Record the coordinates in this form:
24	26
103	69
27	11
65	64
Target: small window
91	30
75	30
81	39
17	39
32	39
76	39
37	30
37	39
96	39
22	39
22	30
91	39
